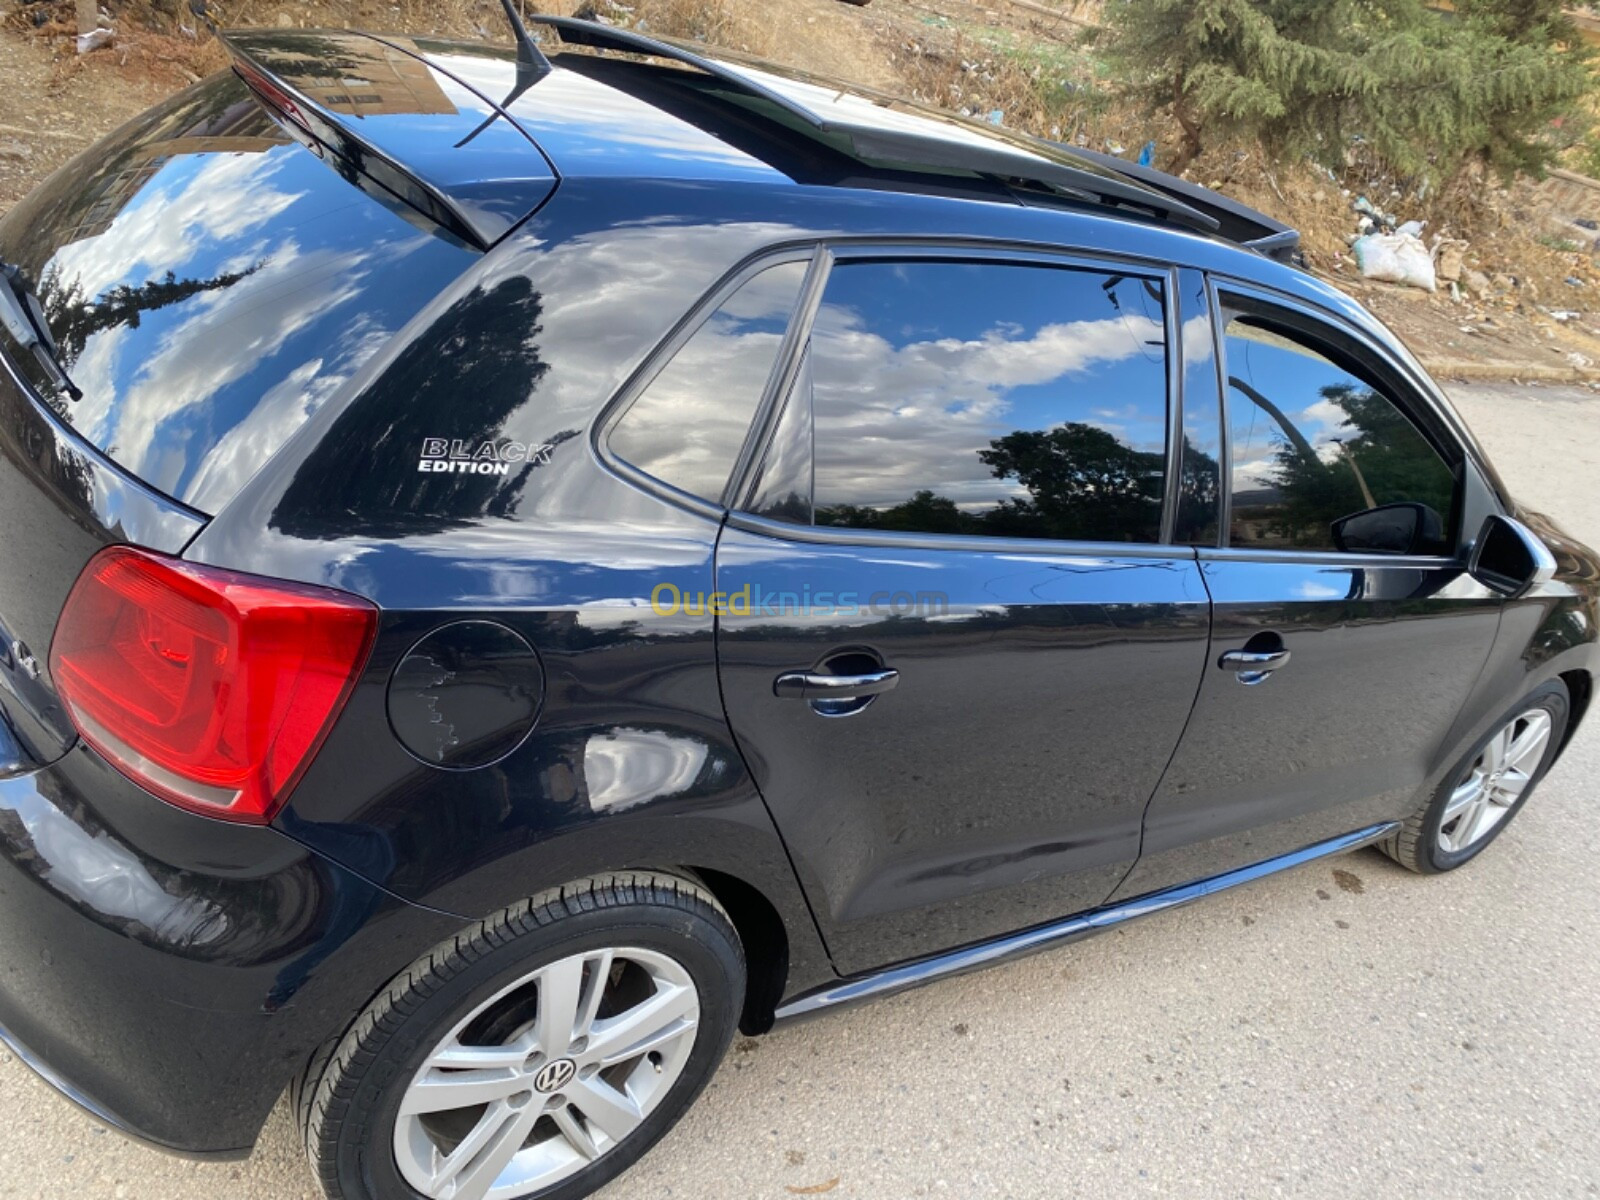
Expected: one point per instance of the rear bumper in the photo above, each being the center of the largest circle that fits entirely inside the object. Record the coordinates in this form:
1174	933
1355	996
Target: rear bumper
70	1091
171	973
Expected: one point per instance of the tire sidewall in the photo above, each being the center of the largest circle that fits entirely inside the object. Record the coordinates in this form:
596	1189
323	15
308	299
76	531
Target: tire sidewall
1553	698
364	1143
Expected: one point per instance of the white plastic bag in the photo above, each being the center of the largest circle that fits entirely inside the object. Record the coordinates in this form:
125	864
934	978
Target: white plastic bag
94	39
1396	258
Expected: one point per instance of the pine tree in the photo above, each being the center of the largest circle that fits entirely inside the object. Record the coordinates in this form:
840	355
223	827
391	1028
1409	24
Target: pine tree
1542	22
1544	71
1428	93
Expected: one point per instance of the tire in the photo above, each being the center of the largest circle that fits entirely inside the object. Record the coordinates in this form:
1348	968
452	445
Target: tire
1429	841
648	948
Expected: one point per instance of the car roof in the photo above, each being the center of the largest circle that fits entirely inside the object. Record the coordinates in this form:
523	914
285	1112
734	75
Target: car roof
449	113
729	114
495	137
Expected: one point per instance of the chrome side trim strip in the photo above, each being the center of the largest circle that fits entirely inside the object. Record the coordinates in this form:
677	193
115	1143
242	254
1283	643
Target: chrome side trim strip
986	954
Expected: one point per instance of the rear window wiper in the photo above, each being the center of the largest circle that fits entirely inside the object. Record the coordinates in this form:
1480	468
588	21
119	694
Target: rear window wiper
23	316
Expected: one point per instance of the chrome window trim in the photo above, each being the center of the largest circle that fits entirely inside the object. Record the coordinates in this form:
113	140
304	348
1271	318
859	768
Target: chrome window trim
999	253
1331	558
834	535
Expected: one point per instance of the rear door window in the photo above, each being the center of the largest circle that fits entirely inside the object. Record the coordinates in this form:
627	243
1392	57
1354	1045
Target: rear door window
985	398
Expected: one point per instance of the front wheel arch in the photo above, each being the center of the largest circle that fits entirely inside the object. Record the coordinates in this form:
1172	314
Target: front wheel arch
1580	690
1414	845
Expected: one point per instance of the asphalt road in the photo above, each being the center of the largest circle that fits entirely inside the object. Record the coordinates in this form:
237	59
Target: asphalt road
1347	1029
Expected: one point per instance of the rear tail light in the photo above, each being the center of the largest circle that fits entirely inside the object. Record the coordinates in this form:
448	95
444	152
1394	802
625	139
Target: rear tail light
210	688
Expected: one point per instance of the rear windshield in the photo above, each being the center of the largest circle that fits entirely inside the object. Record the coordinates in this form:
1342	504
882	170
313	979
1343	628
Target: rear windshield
209	282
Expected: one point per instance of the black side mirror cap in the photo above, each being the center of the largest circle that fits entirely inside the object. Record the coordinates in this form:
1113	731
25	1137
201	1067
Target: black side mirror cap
1405	528
1509	558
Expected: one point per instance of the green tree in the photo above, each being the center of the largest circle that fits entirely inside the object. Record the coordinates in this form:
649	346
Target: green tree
1382	459
1429	93
1082	483
1545	22
74	320
1545	72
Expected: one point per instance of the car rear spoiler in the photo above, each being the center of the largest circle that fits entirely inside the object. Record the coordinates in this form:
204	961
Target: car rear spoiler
430	177
1237	222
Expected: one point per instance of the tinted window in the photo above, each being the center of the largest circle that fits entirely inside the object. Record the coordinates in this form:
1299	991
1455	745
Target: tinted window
1198	519
782	490
1018	401
689	424
1312	443
210	283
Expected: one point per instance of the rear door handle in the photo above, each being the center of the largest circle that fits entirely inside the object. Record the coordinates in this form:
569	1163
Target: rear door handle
812	685
1253	666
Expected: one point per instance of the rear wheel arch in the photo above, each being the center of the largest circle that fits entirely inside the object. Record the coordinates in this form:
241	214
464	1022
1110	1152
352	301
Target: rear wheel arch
347	1100
754	916
742	863
765	940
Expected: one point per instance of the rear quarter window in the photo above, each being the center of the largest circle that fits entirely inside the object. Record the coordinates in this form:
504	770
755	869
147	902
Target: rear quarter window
689	423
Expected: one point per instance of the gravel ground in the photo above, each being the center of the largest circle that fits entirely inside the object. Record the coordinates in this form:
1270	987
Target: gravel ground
1344	1029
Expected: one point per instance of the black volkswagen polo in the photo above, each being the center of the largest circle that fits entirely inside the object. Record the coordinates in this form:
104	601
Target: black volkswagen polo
514	567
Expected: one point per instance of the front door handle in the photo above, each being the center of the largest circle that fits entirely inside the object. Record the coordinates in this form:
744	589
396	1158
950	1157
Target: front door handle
1253	666
814	685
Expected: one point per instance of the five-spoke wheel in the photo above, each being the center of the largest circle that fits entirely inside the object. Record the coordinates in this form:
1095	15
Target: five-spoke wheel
547	1075
1484	790
1495	781
537	1054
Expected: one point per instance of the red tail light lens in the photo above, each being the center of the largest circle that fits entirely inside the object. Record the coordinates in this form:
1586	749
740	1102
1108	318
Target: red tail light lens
210	688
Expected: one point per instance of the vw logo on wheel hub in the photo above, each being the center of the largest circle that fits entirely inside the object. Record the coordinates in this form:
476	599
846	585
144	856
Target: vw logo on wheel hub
555	1075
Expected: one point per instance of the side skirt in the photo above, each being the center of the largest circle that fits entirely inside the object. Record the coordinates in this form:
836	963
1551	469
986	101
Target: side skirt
1045	937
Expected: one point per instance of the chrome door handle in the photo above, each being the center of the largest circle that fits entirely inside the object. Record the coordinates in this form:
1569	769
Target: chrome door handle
1253	666
811	685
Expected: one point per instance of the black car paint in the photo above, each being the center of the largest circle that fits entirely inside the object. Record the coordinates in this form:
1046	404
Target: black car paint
61	502
937	816
255	945
1342	737
172	968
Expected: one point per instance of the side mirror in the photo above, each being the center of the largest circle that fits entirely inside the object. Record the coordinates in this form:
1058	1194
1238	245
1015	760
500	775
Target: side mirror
1509	558
1390	529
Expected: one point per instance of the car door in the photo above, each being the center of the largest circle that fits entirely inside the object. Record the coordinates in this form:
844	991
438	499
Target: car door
1346	632
953	649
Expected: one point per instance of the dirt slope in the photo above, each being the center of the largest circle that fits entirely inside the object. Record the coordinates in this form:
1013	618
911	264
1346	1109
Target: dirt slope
54	103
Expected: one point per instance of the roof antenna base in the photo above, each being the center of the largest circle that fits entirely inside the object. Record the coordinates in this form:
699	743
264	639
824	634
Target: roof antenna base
529	56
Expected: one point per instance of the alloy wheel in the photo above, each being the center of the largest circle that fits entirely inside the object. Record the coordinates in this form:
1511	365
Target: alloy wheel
547	1075
1495	781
